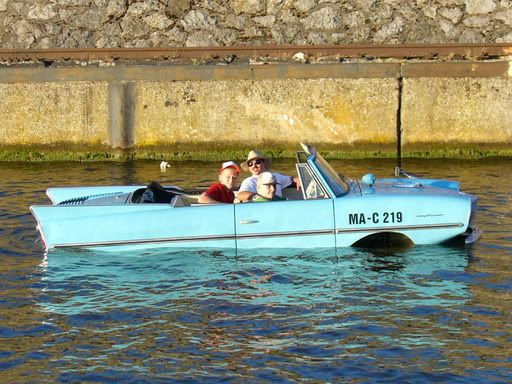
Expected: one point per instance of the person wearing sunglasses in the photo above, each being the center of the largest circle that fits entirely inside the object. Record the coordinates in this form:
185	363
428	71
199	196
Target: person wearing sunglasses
222	192
258	163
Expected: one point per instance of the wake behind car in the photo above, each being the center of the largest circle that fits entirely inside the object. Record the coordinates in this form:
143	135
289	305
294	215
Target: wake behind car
330	211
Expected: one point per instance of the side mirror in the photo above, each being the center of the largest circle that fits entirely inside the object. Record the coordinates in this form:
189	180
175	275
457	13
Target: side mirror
369	179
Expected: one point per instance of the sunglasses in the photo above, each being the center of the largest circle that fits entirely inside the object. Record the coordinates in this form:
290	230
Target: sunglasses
255	162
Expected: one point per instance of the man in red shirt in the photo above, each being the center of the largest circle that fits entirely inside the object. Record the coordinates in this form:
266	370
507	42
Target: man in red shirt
222	192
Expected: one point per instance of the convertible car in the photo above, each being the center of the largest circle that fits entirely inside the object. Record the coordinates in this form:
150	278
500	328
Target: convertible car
328	211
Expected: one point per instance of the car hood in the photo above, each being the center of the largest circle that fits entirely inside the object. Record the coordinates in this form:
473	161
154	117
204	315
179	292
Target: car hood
402	186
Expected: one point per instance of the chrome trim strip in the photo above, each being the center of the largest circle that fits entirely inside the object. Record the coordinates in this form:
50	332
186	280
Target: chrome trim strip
200	238
262	235
400	228
286	234
148	241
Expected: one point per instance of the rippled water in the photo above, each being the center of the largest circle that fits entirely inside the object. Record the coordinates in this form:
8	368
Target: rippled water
424	314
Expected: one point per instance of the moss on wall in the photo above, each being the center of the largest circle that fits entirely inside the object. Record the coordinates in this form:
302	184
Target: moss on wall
184	153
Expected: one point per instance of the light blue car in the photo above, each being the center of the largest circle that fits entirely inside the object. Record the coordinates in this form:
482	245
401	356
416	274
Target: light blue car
330	211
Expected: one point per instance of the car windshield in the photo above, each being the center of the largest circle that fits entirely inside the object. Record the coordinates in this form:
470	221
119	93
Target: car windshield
333	179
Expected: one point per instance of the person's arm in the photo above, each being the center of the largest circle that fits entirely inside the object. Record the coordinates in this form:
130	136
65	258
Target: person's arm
247	190
296	180
205	199
212	195
286	181
245	195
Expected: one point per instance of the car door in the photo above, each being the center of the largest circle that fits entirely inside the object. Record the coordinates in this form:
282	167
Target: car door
285	224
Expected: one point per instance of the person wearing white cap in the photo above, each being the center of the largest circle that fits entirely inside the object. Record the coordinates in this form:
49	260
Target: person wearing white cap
267	186
222	192
257	163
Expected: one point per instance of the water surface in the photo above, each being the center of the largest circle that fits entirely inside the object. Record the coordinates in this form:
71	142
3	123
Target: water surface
422	314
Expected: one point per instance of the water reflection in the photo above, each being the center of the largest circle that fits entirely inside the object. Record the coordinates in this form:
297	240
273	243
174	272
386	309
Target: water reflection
83	281
208	312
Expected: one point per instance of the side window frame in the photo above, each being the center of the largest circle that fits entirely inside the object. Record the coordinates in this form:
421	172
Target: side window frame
301	169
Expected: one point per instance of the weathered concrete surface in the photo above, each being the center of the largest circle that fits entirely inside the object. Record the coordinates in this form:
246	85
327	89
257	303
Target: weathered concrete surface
343	108
181	72
121	106
53	113
328	111
465	111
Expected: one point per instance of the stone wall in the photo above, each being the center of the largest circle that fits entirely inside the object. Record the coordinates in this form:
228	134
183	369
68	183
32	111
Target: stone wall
163	23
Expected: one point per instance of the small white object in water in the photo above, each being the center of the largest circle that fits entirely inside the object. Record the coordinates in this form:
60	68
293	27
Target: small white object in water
164	165
300	57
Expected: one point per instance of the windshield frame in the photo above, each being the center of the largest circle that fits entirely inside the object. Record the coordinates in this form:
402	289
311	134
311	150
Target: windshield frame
333	181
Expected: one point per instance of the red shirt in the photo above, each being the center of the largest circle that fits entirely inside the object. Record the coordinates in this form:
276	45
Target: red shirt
220	193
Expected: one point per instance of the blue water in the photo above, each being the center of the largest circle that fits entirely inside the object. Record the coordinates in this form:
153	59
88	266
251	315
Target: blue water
419	314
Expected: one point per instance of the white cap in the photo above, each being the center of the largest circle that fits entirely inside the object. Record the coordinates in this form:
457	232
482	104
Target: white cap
266	178
229	164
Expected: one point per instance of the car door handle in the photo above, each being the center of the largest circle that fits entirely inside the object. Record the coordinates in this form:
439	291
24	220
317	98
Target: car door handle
249	221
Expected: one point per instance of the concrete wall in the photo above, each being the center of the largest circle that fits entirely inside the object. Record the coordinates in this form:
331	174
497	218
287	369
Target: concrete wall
340	107
51	113
457	111
334	111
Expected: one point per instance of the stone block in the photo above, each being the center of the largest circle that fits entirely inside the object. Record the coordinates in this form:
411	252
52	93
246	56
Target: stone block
478	7
328	18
